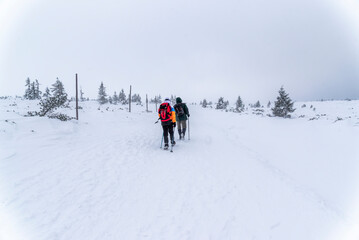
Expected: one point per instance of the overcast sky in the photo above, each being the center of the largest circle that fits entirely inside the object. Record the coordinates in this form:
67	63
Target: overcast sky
190	48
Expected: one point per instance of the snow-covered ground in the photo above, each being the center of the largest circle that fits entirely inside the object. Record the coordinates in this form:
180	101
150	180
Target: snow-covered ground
240	176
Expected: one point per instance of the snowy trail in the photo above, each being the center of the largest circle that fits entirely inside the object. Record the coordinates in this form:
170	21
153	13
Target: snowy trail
106	178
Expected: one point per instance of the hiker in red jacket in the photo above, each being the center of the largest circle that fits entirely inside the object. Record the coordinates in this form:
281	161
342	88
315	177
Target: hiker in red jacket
168	120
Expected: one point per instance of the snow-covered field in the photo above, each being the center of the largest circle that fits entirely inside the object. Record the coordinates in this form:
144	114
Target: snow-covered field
240	176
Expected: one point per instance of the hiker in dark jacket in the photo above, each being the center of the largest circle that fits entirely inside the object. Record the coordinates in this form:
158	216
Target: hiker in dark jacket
182	115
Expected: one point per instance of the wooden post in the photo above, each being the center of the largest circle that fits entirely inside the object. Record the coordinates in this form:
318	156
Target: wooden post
129	99
77	100
146	103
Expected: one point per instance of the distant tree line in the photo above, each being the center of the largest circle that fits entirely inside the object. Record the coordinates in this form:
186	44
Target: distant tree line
56	97
283	106
120	98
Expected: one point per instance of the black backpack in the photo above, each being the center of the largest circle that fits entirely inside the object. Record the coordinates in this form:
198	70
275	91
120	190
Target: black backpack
179	110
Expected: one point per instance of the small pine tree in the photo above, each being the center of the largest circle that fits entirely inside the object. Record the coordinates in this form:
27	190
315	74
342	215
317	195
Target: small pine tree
102	96
122	97
221	104
58	92
239	105
156	100
283	106
54	99
115	98
47	93
28	89
204	103
257	104
37	90
139	100
269	104
32	95
136	98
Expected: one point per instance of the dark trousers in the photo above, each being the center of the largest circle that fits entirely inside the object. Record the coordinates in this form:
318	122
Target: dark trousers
168	129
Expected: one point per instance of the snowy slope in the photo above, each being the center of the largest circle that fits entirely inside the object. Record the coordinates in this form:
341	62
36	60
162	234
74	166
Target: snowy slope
241	176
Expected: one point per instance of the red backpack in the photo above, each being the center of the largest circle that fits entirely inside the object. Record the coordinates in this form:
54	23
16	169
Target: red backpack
165	112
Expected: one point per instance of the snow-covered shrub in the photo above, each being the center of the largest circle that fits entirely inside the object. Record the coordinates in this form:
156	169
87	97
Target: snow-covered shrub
60	116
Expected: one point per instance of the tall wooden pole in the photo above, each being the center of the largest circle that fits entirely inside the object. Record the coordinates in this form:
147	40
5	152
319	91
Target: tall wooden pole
129	99
146	103
77	100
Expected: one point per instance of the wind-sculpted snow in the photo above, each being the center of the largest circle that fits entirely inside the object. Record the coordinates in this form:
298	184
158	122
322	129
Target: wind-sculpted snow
241	176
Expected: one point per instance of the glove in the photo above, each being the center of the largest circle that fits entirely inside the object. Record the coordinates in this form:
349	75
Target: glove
174	124
188	114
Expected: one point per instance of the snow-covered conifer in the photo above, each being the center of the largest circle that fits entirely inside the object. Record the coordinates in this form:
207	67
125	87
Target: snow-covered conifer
37	93
239	105
58	92
283	106
257	104
47	93
122	97
136	98
102	96
204	103
221	104
115	98
51	101
157	99
269	104
32	91
28	89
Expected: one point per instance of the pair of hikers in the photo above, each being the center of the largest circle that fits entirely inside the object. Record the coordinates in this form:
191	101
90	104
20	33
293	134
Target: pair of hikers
170	116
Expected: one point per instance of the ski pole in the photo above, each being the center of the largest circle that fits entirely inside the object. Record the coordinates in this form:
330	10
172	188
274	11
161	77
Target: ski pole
157	120
161	141
189	135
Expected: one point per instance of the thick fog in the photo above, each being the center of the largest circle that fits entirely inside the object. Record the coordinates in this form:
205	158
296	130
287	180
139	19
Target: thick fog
193	49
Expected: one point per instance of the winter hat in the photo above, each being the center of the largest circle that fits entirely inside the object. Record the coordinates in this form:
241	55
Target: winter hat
178	100
167	100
